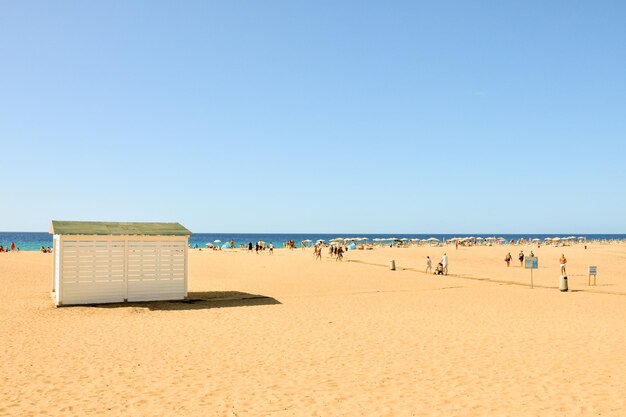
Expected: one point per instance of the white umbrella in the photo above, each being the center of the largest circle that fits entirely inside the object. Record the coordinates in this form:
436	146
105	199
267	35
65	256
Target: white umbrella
217	241
306	240
432	239
555	239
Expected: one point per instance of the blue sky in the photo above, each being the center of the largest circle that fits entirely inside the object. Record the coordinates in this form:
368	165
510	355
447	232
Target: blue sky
377	117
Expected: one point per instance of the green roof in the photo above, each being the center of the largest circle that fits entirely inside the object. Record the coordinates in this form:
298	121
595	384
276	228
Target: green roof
60	227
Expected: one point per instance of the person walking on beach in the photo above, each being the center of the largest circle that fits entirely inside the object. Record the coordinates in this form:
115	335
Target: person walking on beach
444	263
318	252
521	258
507	259
249	247
339	254
271	248
12	245
563	262
429	265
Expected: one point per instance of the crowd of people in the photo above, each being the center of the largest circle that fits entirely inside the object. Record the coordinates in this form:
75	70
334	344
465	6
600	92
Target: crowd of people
521	257
9	248
334	251
260	247
442	266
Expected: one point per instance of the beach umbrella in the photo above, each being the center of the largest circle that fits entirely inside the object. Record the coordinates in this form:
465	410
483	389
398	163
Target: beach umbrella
307	240
432	239
555	239
217	241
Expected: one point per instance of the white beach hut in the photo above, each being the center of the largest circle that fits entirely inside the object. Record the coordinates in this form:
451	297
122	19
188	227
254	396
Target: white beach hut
106	262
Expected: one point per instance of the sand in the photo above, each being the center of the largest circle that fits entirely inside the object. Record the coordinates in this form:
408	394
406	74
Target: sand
286	335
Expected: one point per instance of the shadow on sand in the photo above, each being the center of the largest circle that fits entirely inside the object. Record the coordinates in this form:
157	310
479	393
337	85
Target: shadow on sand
199	301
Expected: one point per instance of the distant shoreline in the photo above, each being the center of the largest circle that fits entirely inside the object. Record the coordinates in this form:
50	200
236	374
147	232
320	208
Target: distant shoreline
32	241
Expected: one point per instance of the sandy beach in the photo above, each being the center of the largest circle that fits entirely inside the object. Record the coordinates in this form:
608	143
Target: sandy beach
285	335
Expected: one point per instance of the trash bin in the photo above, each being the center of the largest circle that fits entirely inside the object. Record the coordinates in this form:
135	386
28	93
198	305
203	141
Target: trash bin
392	265
563	283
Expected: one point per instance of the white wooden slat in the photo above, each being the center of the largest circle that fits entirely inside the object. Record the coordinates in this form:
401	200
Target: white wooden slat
137	268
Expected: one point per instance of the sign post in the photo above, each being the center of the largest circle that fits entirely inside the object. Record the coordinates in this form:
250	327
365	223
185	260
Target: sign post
531	262
593	270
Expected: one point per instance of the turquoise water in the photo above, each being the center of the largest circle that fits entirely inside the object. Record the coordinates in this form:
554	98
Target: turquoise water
34	240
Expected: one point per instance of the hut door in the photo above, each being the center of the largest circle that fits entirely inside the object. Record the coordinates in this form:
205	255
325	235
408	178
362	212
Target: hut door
92	271
156	269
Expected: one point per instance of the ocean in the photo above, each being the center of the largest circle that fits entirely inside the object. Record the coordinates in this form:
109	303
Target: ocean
34	240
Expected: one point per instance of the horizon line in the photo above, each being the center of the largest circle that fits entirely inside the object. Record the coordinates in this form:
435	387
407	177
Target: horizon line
369	233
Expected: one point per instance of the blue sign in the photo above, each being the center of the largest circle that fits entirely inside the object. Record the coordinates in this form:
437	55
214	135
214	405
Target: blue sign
531	262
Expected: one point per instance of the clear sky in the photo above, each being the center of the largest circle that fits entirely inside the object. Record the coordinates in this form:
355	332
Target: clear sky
320	116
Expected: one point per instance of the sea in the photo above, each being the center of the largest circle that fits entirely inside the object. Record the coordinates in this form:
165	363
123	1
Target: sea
35	240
